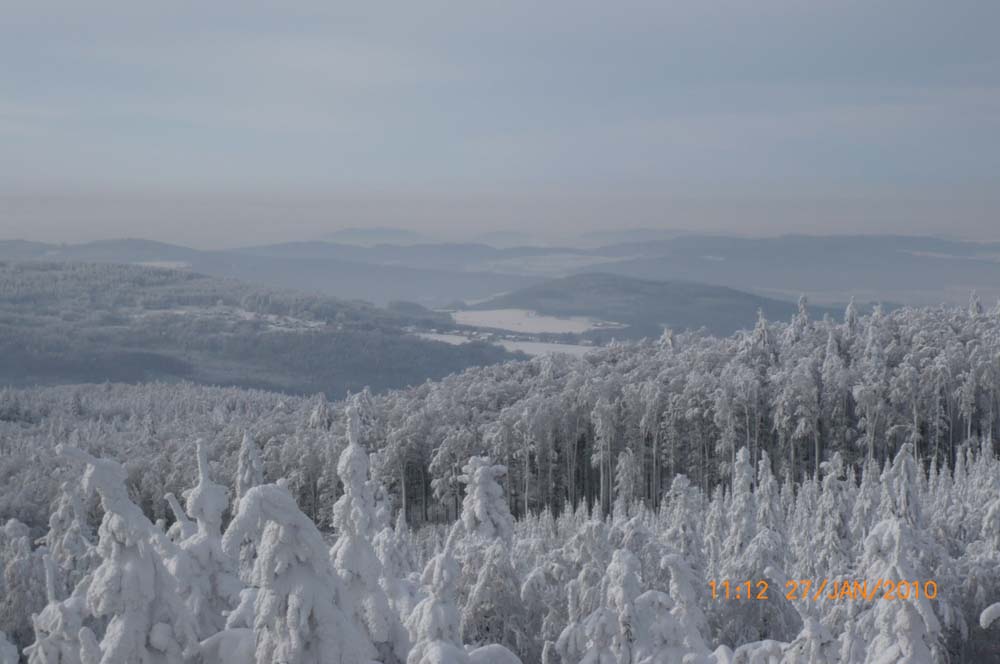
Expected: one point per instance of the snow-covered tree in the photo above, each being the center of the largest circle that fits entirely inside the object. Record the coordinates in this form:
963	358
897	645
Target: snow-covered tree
435	625
207	575
69	540
354	558
628	481
484	509
58	627
299	613
250	468
395	553
493	612
132	588
23	583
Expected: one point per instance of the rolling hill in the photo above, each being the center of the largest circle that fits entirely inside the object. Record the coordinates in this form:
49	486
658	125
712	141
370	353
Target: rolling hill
94	322
646	306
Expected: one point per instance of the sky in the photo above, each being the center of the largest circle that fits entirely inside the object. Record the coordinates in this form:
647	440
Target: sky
229	123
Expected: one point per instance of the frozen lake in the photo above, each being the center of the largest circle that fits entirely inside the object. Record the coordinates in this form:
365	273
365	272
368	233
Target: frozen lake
528	321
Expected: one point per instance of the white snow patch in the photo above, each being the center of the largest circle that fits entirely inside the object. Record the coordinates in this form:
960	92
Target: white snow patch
170	265
529	322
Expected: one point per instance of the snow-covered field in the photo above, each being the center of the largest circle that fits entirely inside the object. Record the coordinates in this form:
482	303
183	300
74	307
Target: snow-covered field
533	348
529	322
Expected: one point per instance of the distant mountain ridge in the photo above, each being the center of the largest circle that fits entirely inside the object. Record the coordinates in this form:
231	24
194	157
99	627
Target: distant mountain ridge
358	273
74	322
904	269
911	270
376	235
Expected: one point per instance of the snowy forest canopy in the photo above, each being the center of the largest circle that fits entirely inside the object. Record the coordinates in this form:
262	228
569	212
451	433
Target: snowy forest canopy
593	499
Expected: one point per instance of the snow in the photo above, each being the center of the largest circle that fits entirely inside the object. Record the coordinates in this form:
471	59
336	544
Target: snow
493	654
529	322
519	562
989	615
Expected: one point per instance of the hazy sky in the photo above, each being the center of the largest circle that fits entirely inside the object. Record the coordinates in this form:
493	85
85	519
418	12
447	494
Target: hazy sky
222	123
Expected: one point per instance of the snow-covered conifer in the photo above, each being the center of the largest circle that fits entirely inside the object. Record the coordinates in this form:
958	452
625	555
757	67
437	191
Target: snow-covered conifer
58	626
434	625
182	527
250	468
628	481
207	575
353	557
23	584
485	513
132	588
493	612
395	553
69	541
299	615
572	641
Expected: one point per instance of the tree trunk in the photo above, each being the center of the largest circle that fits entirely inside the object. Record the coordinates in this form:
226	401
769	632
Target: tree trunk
402	490
816	451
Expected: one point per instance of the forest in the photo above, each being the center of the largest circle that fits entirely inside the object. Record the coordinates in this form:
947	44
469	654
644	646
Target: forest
89	322
556	510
